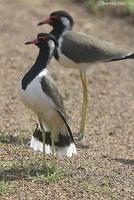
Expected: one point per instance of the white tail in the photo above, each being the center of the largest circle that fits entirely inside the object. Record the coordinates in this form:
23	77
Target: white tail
59	151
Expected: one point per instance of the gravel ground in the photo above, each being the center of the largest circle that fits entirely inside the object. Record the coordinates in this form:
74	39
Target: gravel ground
104	166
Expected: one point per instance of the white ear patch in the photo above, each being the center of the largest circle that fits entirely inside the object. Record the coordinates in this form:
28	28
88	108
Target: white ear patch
66	23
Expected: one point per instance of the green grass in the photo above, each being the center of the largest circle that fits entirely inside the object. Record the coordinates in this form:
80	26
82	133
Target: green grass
94	7
16	169
13	164
48	175
10	139
4	138
91	5
5	187
27	164
129	6
103	188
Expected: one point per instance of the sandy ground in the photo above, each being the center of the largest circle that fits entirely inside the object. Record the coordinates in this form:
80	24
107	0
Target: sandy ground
103	168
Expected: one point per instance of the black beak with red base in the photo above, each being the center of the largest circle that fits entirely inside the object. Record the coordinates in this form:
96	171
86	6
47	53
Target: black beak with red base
40	38
49	20
43	37
36	41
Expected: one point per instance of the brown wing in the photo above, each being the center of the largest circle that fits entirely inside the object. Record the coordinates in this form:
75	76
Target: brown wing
49	87
83	48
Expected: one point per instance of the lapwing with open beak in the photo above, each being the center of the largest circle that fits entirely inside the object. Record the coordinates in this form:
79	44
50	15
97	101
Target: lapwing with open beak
80	51
38	91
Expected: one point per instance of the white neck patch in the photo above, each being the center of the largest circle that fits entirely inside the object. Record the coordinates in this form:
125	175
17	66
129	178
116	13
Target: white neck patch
52	47
66	23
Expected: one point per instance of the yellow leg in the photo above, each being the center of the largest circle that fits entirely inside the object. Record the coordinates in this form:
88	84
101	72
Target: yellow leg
53	148
84	106
44	138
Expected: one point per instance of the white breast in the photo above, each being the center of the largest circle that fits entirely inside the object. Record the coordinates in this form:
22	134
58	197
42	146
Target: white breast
34	97
51	47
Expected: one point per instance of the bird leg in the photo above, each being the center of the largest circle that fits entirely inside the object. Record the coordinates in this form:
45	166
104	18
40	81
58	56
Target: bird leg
53	148
84	106
44	139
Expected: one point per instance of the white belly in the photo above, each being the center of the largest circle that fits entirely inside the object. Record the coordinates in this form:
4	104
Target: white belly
65	62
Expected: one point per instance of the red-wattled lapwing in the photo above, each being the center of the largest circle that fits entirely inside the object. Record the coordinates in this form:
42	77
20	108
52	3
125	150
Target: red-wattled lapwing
39	92
79	50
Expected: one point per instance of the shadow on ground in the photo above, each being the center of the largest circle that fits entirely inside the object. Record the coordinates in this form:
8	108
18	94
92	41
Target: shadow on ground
44	173
12	139
125	161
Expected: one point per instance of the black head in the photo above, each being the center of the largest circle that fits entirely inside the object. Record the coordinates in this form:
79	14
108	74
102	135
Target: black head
42	40
59	17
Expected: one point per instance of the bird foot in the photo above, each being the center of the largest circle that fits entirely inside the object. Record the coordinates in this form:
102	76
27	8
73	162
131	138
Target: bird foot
82	136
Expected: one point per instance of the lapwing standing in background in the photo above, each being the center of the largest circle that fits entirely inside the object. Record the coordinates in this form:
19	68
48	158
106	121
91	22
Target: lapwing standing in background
39	92
79	51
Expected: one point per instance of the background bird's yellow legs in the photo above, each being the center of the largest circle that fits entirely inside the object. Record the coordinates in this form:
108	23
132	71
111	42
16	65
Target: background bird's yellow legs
84	106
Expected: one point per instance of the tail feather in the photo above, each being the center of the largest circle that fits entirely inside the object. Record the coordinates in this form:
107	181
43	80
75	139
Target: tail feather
130	56
64	146
69	130
38	146
124	57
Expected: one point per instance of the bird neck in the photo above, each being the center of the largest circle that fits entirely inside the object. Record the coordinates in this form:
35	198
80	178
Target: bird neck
41	60
40	64
59	29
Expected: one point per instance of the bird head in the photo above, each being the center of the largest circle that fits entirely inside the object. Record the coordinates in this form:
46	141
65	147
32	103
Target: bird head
59	18
44	39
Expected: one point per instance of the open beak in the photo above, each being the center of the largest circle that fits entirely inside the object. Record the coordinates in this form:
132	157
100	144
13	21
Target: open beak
36	41
46	21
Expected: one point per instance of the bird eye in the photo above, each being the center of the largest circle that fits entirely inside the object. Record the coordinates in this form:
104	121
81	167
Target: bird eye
43	38
55	17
